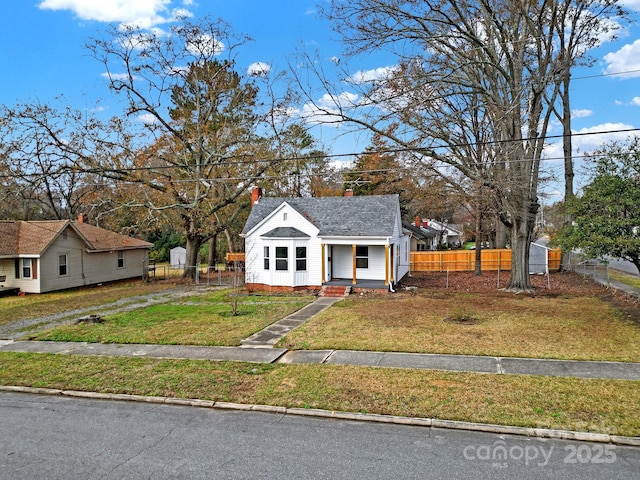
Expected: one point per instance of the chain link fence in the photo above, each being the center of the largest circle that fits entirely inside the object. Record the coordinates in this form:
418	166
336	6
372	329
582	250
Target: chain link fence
222	276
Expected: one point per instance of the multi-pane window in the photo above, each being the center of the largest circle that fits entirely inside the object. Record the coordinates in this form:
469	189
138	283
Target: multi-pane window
266	258
121	259
26	268
282	258
62	265
362	256
301	258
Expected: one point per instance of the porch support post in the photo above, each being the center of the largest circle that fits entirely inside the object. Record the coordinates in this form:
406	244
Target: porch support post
353	249
324	259
386	264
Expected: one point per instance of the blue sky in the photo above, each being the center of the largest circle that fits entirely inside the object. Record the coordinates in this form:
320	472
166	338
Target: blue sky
42	55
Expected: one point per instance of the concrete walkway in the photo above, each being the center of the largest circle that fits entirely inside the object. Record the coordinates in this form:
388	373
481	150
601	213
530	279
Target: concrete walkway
457	363
274	332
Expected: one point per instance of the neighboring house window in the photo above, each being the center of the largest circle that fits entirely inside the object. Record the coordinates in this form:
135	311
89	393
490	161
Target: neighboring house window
121	259
62	265
362	257
65	235
282	258
266	258
301	258
284	216
26	268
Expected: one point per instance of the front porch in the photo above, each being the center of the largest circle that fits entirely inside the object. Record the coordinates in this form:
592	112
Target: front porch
360	286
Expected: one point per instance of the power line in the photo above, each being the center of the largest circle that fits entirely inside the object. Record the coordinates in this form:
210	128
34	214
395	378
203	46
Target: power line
228	160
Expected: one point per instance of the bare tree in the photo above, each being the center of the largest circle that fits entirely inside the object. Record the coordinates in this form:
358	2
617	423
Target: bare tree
205	132
44	151
474	91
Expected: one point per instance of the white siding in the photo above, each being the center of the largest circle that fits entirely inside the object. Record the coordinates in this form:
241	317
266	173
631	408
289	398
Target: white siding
339	248
254	247
342	261
29	285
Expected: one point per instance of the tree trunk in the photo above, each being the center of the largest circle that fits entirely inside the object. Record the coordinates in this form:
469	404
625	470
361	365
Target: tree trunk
213	243
478	264
521	236
194	242
229	241
568	161
502	233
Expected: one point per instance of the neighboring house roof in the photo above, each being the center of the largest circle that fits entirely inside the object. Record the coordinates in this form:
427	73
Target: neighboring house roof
420	233
33	238
452	228
362	216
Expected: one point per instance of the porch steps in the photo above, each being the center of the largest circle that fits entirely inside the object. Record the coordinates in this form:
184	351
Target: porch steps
335	291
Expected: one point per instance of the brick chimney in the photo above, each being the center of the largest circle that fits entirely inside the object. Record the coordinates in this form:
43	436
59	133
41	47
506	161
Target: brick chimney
418	222
82	218
348	192
256	193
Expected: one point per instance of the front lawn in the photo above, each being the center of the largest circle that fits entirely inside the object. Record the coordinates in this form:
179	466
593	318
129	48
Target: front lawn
196	320
38	305
576	320
594	405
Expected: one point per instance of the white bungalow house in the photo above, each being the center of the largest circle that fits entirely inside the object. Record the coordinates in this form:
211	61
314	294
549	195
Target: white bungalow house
306	243
42	256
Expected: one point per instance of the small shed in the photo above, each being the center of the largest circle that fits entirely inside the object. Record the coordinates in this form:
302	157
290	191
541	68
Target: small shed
178	257
539	257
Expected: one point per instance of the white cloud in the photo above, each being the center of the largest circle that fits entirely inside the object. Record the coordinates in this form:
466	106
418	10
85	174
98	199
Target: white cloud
588	139
205	45
326	110
626	59
344	100
631	4
115	76
591	138
142	13
147	119
635	101
581	113
376	74
259	69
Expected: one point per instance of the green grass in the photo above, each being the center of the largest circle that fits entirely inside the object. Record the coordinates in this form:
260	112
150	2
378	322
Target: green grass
37	305
632	280
604	406
197	320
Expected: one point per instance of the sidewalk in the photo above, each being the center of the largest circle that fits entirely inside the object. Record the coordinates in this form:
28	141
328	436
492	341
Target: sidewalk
456	363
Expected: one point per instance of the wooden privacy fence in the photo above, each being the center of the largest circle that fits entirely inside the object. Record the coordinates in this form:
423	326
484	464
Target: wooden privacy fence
465	260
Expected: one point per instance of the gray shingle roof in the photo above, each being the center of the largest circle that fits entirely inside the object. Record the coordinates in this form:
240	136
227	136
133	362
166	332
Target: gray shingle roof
286	232
362	216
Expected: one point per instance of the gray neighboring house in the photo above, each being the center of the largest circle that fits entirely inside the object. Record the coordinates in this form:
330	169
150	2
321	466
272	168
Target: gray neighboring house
43	256
423	238
305	243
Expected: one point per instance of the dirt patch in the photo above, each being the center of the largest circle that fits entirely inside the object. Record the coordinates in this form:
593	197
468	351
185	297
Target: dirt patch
557	285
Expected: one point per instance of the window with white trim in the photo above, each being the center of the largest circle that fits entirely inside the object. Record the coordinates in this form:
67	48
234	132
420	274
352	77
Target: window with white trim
26	268
266	258
362	256
121	259
63	268
301	258
282	258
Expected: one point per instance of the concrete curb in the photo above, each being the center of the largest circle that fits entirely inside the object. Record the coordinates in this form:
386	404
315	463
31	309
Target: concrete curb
542	433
